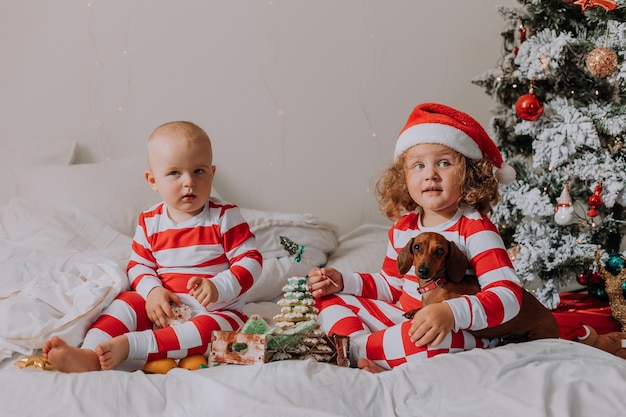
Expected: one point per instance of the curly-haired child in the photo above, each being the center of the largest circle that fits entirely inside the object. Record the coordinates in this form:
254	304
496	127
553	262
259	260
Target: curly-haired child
444	178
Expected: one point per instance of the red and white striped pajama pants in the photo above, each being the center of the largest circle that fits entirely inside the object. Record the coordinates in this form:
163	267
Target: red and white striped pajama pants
127	315
379	331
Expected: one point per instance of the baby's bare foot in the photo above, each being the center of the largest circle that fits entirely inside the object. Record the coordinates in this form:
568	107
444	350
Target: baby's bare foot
66	358
369	366
113	352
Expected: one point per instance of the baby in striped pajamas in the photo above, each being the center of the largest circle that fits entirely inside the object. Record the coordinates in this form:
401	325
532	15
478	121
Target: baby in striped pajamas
444	179
191	249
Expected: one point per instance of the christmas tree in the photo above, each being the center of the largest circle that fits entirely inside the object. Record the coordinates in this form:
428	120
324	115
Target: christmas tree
560	119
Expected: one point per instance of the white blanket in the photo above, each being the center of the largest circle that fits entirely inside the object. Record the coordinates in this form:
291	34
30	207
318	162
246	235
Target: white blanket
58	270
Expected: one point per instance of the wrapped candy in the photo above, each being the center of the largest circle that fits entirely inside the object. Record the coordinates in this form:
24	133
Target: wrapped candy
182	313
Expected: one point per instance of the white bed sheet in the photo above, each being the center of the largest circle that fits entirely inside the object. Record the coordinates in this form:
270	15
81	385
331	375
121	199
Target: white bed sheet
542	378
79	262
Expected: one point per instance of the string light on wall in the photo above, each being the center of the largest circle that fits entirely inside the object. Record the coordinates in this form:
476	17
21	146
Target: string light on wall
364	110
96	65
107	105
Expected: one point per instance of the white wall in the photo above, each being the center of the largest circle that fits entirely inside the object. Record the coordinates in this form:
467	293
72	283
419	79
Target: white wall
303	99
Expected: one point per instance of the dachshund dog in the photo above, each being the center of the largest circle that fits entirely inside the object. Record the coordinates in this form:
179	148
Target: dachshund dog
440	267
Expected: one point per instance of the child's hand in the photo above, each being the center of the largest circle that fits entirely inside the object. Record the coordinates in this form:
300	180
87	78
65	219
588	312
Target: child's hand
203	290
325	281
431	324
158	306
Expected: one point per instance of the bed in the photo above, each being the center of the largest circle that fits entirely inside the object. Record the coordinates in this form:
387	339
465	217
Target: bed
65	233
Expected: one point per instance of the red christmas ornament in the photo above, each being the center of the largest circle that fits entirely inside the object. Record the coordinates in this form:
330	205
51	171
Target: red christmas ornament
582	279
595	278
522	35
595	200
528	107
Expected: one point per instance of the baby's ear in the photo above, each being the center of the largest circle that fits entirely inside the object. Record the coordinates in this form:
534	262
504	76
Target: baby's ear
405	258
456	263
150	180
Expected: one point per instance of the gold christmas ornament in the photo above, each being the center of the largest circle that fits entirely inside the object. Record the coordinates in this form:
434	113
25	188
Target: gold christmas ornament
601	62
513	252
613	288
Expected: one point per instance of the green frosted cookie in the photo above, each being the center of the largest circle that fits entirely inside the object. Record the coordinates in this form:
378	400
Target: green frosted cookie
255	325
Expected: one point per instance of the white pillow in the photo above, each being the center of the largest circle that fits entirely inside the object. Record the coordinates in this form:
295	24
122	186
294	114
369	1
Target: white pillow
318	238
361	250
20	154
114	191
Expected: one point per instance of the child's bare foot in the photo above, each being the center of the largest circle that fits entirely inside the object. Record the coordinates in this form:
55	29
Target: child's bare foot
369	366
66	358
113	352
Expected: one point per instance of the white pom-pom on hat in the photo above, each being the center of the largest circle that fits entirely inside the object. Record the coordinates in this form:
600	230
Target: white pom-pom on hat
440	124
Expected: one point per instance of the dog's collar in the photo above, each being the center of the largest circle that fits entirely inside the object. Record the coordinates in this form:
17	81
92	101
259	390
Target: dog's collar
438	283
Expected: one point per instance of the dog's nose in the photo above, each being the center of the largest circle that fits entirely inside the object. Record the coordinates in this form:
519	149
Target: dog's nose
423	271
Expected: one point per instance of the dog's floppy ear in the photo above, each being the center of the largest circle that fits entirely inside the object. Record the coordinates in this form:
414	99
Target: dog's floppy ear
405	258
456	263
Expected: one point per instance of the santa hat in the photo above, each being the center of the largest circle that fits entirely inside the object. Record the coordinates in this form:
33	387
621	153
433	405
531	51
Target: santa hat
439	124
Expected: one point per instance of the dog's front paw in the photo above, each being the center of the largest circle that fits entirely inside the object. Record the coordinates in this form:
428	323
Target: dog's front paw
411	313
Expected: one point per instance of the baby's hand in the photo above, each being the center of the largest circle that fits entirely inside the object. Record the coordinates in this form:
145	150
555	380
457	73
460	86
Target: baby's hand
431	324
158	307
325	281
203	290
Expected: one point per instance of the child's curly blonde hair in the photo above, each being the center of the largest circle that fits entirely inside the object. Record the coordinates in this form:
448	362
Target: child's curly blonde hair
479	187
